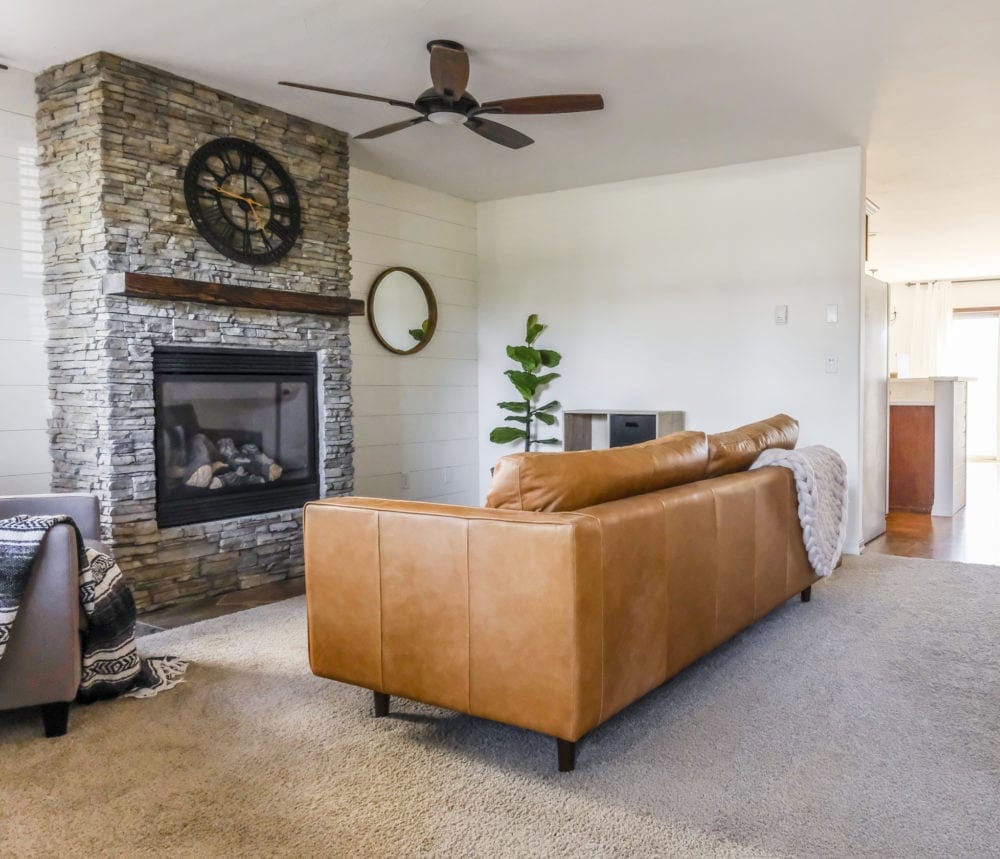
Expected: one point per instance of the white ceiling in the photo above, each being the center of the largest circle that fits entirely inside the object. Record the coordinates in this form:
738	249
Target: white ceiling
687	83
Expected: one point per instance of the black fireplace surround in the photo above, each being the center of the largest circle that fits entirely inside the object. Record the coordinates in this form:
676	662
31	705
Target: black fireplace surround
236	432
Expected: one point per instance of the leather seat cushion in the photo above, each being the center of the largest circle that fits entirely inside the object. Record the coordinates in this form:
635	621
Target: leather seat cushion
556	482
737	449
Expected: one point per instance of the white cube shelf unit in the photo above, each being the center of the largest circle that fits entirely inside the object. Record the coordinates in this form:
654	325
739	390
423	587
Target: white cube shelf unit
588	429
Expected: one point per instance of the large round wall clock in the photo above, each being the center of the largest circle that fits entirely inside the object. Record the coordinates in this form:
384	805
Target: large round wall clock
242	201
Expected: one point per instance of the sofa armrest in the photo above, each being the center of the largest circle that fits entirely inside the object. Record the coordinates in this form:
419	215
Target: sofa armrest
42	662
84	508
492	612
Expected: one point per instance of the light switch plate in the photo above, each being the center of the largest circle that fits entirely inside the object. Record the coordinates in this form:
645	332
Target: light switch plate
832	313
781	314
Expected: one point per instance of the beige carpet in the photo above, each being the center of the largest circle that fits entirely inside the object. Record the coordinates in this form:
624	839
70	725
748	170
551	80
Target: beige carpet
864	723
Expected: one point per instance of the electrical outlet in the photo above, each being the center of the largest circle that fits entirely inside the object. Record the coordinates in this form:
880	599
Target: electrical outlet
832	364
404	480
447	476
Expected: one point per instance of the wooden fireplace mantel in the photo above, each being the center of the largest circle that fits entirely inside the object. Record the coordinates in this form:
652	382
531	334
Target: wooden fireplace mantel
164	288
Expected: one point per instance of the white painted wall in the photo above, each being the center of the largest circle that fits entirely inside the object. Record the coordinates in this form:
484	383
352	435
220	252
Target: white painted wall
415	415
660	294
25	465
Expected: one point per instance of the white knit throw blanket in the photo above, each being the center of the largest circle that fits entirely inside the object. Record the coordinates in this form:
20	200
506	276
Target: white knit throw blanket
821	485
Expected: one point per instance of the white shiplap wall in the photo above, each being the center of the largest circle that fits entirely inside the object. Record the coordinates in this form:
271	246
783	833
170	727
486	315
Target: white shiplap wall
415	415
25	465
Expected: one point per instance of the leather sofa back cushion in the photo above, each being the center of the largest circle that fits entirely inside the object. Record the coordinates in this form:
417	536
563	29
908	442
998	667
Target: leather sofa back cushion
737	449
556	482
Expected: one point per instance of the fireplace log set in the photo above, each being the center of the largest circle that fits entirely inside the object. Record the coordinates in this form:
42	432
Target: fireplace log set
212	465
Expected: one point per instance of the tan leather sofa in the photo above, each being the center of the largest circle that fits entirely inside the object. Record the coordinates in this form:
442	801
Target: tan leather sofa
589	579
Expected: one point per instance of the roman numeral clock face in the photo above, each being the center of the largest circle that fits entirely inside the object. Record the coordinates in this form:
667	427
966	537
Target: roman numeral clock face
242	201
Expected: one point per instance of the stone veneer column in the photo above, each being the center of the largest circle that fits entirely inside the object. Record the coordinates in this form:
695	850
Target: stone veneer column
114	137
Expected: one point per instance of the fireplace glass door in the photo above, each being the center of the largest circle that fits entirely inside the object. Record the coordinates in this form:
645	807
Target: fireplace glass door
236	433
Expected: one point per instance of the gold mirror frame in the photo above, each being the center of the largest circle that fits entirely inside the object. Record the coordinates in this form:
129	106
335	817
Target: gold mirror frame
432	310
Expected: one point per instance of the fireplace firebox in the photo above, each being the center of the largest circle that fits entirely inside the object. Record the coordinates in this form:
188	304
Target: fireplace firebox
236	432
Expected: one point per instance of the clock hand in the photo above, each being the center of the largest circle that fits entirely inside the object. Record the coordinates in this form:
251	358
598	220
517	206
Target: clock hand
250	201
256	217
253	210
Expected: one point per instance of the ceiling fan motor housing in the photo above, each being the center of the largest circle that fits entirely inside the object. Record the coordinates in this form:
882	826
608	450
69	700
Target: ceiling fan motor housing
429	102
445	43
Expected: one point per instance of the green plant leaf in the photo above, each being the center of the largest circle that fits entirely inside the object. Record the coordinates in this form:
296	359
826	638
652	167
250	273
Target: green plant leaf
526	383
519	418
503	435
518	406
544	380
545	418
530	359
532	329
549	357
548	407
546	441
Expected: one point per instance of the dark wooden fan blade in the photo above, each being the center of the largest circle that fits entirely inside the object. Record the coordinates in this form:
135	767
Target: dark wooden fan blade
502	134
349	94
449	71
544	104
389	129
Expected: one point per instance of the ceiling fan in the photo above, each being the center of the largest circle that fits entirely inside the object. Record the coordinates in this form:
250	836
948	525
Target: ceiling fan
448	102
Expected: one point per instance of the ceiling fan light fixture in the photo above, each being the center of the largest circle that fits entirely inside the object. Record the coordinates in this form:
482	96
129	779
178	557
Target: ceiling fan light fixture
446	117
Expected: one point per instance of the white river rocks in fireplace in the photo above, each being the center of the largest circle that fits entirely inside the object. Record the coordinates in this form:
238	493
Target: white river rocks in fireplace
206	464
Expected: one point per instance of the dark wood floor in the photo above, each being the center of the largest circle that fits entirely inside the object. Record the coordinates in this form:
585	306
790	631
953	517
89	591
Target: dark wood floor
217	606
972	535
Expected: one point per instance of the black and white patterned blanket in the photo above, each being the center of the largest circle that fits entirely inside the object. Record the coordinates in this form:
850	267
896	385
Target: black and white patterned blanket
111	663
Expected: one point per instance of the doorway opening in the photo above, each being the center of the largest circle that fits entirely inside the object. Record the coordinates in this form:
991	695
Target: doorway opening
970	351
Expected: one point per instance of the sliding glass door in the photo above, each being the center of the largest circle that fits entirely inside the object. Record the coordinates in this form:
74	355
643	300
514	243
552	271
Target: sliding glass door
976	353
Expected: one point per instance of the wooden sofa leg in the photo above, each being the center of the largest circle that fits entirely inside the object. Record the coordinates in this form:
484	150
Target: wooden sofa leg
806	595
55	718
381	704
567	755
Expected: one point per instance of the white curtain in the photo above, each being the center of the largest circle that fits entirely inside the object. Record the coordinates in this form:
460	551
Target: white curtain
930	344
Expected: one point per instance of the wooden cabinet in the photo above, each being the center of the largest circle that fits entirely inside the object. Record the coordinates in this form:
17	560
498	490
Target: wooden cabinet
927	445
911	458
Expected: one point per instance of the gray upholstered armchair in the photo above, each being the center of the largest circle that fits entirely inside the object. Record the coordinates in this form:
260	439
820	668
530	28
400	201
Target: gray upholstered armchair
41	666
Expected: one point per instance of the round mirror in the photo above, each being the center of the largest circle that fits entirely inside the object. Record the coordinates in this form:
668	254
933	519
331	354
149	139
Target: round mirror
402	311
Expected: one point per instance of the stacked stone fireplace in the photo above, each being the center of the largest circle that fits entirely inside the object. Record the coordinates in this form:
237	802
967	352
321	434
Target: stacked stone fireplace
114	137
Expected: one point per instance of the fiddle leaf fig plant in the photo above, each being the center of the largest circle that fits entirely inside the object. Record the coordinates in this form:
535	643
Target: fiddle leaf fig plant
525	415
